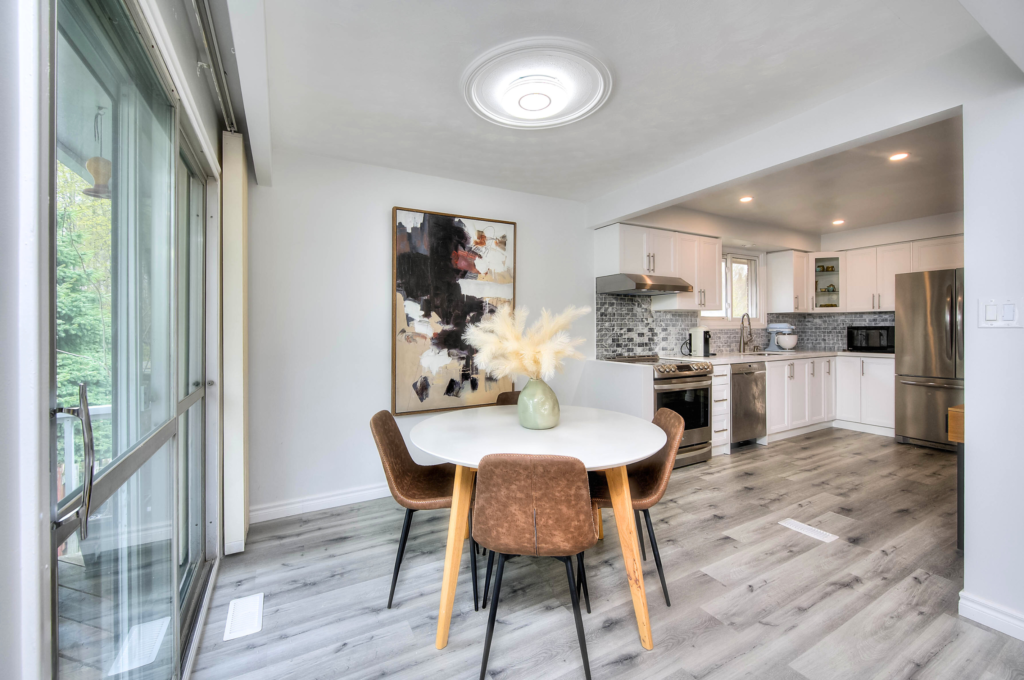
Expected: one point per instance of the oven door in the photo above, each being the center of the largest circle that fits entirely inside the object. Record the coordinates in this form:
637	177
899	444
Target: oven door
690	398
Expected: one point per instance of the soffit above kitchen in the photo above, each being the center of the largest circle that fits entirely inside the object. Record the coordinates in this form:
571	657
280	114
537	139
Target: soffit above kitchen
379	82
860	187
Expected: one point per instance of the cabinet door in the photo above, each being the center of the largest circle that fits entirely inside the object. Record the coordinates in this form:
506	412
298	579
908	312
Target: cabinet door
892	260
801	299
829	388
777	400
633	250
686	251
797	395
660	247
815	376
848	388
878	392
861	280
938	253
709	273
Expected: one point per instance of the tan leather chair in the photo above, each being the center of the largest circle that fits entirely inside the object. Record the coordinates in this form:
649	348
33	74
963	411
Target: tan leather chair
414	486
537	506
507	399
648	480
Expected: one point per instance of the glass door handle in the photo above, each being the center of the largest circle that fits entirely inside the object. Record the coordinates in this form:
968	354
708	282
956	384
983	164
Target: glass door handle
82	413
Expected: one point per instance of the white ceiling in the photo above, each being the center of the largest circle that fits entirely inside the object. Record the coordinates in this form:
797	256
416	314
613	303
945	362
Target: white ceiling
378	82
860	186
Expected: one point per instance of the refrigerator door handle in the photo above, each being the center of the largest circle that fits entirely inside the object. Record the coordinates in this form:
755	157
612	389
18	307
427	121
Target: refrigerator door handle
960	323
949	320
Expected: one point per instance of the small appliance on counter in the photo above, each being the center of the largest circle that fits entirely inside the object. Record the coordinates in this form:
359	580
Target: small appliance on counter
880	339
783	337
699	343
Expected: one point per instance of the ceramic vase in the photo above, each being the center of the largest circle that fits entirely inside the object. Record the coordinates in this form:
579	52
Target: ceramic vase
538	406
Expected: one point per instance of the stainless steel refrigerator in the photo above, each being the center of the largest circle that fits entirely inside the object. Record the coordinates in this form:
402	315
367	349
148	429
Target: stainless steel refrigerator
929	355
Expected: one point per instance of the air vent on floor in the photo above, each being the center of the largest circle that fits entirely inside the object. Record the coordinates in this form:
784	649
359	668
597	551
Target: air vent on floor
245	617
140	646
808	530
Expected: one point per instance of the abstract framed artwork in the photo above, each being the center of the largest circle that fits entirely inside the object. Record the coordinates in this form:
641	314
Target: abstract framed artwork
448	272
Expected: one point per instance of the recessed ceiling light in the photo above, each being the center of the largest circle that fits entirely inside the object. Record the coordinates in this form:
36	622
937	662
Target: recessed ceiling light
746	199
536	83
898	156
838	222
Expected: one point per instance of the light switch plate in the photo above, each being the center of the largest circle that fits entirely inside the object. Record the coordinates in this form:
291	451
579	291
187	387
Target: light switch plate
1000	313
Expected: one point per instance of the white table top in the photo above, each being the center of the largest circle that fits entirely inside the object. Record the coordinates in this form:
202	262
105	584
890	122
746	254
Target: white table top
601	439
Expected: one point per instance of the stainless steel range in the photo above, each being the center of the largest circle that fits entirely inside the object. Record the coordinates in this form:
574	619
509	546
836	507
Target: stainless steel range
684	387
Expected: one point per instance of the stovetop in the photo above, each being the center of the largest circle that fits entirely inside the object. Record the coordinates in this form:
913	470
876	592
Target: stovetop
669	367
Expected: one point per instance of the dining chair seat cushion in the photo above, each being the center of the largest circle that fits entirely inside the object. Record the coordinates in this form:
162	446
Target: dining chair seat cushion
507	399
648	478
533	505
414	486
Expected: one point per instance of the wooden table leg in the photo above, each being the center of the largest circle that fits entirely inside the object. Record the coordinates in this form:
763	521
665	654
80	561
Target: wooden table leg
625	523
599	523
458	523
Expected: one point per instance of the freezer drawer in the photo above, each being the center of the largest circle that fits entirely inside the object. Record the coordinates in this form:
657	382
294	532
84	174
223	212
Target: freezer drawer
922	407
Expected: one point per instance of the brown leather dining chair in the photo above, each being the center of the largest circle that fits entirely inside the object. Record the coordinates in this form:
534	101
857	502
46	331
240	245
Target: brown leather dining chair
648	480
507	399
413	486
533	506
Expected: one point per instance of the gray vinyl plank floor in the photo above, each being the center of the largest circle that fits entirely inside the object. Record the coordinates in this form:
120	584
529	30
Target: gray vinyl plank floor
750	598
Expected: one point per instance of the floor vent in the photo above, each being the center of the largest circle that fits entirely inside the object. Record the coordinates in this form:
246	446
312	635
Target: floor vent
140	646
808	530
245	617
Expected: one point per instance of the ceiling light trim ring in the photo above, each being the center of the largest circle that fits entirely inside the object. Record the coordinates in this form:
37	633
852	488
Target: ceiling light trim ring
585	59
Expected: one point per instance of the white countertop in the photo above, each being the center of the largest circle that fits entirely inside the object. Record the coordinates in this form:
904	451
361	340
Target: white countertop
737	358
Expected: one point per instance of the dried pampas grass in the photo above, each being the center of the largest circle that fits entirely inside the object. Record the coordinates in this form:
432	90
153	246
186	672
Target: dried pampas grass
505	349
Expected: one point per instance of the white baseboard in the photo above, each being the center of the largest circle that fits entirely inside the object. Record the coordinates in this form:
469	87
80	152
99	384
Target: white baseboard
861	427
992	615
778	436
298	506
721	450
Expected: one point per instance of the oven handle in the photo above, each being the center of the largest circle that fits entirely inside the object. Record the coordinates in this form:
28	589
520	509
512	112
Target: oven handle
682	386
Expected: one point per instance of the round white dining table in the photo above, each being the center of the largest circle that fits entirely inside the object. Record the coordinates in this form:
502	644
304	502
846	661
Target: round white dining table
604	440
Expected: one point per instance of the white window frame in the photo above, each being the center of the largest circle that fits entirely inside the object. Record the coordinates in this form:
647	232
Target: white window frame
727	321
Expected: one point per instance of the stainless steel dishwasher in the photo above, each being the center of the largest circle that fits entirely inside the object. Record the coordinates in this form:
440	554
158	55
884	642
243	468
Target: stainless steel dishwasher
748	401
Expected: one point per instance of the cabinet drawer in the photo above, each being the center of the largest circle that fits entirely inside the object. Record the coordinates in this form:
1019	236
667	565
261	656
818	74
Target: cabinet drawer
721	372
720	430
720	400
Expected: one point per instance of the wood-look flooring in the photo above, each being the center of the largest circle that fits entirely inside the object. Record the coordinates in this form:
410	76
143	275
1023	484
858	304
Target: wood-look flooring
750	598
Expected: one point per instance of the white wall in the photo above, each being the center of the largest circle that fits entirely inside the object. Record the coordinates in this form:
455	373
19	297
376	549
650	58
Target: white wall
993	242
320	314
934	226
753	235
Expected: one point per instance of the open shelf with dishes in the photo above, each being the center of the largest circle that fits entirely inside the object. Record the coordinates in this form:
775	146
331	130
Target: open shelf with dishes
828	276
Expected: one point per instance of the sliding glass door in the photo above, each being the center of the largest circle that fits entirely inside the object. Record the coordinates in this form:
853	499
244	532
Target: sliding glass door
127	437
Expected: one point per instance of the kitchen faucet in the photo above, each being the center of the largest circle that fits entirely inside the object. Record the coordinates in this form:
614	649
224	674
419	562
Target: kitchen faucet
748	337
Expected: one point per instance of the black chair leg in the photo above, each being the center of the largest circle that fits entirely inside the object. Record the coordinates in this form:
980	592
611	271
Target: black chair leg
581	580
486	580
576	614
640	534
657	556
472	563
491	616
401	551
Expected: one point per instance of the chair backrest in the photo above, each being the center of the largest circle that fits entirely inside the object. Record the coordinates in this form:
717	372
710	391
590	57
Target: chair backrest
533	505
399	467
653	473
507	399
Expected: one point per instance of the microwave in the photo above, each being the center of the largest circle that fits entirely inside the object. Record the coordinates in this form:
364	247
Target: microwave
871	339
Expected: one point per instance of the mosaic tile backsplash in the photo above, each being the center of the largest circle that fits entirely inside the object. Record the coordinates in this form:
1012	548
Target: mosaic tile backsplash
627	325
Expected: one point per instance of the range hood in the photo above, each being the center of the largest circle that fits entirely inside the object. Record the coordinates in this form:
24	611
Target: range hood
639	284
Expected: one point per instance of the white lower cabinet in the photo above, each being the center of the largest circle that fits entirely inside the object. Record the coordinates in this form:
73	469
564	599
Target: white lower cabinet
866	390
797	393
720	406
801	392
815	376
777	388
829	388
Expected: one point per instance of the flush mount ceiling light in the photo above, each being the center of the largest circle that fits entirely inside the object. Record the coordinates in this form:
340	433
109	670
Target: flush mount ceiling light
746	199
536	83
898	156
838	222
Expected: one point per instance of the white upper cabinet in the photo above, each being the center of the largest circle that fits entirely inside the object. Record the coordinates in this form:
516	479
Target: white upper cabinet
826	279
698	261
660	246
871	276
787	282
939	253
621	249
709	274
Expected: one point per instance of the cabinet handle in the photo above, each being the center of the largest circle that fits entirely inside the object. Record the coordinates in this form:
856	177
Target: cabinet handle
862	367
725	430
879	300
828	367
654	262
872	301
719	401
796	302
812	369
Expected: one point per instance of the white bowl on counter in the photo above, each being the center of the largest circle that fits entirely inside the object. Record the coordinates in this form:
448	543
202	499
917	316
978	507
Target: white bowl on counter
786	341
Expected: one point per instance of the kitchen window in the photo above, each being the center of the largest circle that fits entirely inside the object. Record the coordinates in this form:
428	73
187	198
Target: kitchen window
741	289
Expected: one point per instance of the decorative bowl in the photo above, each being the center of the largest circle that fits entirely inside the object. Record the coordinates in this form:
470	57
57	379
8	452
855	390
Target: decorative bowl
786	341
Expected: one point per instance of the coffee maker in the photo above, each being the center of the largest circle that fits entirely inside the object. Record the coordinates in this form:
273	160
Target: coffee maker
699	343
